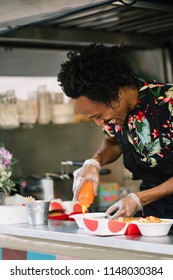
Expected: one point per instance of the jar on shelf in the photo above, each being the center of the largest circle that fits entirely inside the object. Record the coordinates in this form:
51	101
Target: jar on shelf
28	109
8	110
44	105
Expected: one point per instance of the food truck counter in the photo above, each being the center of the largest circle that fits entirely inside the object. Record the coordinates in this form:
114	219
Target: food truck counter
64	238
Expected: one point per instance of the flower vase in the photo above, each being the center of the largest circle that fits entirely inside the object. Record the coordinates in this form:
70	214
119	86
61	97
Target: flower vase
2	198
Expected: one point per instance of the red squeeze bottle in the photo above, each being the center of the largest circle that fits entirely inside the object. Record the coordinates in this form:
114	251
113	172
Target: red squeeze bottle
86	196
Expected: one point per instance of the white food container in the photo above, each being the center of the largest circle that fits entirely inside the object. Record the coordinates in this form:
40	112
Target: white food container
97	224
104	226
13	214
79	217
155	229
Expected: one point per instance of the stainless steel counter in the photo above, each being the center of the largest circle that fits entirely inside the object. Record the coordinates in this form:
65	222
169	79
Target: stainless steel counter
64	237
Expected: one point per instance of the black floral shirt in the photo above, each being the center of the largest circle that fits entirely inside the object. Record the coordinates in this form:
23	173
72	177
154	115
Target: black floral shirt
142	128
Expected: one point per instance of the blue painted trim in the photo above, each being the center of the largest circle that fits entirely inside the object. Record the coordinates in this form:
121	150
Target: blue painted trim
39	256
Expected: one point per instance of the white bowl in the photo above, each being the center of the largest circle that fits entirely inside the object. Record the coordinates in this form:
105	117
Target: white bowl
155	229
79	217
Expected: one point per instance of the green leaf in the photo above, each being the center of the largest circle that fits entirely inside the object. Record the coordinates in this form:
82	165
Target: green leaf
154	147
143	132
138	126
156	93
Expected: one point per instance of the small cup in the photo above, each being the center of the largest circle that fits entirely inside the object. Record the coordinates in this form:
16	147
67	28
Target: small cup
38	212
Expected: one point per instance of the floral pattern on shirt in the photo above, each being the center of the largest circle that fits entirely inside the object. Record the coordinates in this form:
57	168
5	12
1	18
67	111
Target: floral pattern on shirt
141	126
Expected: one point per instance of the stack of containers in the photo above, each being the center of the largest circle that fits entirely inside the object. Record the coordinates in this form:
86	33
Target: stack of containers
8	110
28	109
62	112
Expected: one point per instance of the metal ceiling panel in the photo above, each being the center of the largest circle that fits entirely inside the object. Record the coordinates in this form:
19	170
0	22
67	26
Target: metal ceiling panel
17	13
144	22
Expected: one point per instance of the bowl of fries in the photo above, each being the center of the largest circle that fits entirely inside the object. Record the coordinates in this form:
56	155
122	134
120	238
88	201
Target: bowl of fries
154	226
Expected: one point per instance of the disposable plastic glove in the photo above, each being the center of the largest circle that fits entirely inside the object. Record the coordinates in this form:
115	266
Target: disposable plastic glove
90	170
126	207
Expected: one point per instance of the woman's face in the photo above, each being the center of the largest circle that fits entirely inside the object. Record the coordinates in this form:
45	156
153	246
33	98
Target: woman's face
100	112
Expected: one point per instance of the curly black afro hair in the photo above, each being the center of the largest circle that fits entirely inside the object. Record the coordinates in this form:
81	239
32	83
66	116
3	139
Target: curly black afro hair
96	72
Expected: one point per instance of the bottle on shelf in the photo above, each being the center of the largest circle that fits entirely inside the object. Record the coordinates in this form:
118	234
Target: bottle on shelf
86	196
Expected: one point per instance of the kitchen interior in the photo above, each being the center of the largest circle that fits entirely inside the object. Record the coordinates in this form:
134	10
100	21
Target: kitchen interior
39	124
